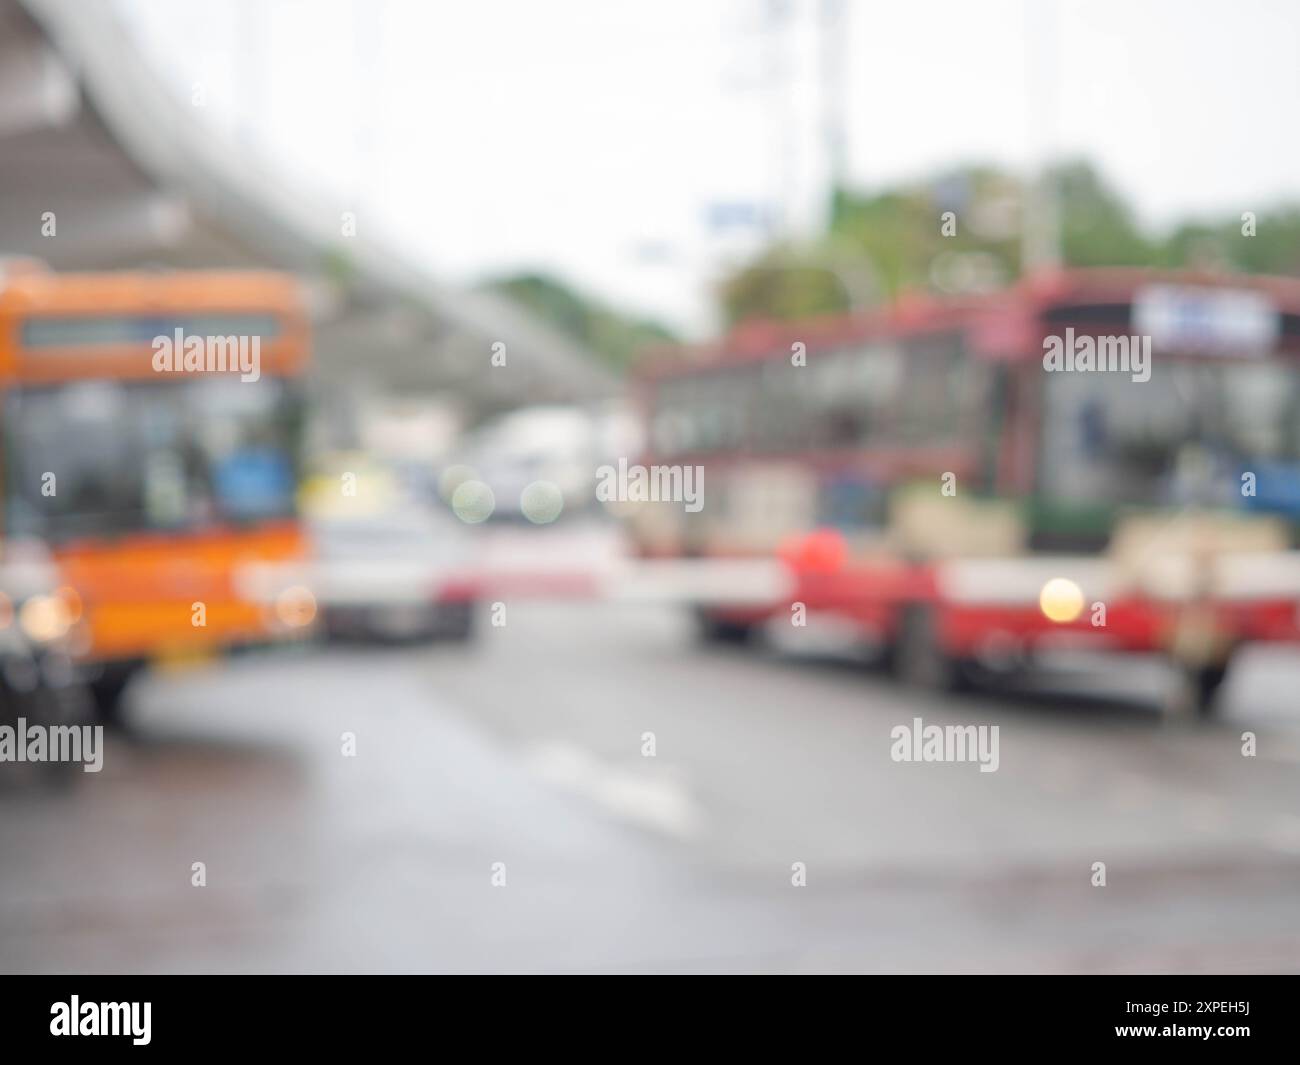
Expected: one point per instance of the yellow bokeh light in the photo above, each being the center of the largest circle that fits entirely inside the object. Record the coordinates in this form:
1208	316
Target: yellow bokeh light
296	606
1061	600
44	618
473	502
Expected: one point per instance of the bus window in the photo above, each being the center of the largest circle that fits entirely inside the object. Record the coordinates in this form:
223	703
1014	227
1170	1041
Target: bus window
879	369
932	395
673	424
839	413
145	456
781	415
1184	437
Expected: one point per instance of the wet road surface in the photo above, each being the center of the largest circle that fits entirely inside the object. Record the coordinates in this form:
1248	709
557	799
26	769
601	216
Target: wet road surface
525	748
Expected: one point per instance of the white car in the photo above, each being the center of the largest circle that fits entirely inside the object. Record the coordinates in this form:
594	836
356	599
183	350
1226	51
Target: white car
404	574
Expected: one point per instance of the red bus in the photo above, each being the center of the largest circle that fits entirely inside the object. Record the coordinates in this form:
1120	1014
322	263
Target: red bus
1103	459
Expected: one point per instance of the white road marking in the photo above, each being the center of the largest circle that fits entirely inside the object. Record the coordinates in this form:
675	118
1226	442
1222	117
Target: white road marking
644	796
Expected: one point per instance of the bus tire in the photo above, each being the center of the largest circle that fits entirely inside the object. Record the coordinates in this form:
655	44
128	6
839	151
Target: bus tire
918	658
715	630
455	622
108	691
41	703
1196	692
51	707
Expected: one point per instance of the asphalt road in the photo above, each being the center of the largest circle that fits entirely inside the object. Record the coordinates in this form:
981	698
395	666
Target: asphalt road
526	749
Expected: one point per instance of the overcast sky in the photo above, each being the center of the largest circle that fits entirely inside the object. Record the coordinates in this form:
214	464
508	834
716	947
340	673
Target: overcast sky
590	137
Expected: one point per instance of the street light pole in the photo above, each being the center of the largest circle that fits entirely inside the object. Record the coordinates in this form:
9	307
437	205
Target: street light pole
1040	229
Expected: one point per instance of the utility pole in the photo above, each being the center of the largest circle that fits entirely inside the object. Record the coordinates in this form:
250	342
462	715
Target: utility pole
781	147
1040	228
833	25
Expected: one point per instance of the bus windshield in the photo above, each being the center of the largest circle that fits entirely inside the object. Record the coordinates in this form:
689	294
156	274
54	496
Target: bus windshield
107	457
1188	436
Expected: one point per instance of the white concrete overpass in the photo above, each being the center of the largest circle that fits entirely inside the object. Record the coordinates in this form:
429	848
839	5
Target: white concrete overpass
135	177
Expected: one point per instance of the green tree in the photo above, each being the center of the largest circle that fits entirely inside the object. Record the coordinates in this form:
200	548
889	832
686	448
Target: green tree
882	244
1274	247
614	337
1097	227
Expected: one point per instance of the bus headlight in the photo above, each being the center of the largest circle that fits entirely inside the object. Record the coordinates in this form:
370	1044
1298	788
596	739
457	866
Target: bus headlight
45	618
69	597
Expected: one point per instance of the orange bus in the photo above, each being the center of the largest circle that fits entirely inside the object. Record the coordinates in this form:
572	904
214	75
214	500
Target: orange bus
1105	460
151	428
